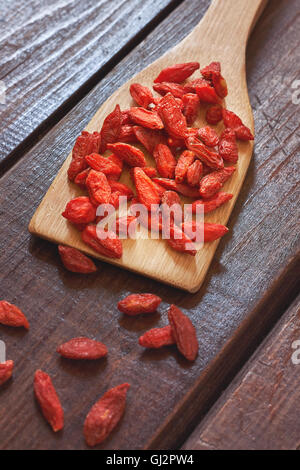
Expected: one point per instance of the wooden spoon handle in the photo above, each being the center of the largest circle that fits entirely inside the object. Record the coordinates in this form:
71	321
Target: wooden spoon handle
228	23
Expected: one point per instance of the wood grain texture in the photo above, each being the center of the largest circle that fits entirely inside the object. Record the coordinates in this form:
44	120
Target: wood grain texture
251	280
212	39
260	410
50	49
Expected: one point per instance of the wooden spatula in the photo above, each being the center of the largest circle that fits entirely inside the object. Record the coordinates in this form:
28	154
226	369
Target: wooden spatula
221	36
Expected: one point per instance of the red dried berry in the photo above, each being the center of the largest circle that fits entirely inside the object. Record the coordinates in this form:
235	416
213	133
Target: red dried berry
85	144
136	304
212	203
127	134
6	370
122	188
181	188
184	162
177	73
184	333
82	348
111	128
80	179
145	118
211	159
228	148
10	315
194	173
107	244
104	164
191	104
157	338
165	161
145	188
205	232
75	261
167	87
105	415
207	93
49	402
179	241
150	171
214	114
213	182
208	71
130	154
172	117
149	138
80	211
232	121
208	136
142	95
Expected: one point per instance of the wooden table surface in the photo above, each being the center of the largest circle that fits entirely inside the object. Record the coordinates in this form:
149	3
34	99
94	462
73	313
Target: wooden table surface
59	62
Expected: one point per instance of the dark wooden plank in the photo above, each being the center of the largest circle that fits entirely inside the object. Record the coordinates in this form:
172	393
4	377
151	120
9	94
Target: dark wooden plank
50	50
260	410
250	283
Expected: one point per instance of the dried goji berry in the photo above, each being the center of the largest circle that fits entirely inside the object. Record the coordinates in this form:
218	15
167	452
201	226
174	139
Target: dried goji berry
80	179
108	244
177	73
184	162
98	187
232	121
191	103
209	231
228	148
104	164
11	315
124	223
170	198
135	304
146	118
211	159
80	210
172	117
150	171
82	348
179	241
208	136
171	206
49	402
190	87
142	95
85	144
157	337
75	261
105	415
212	182
111	128
184	333
127	134
168	87
212	203
125	118
146	190
220	84
122	188
130	154
207	93
149	138
214	114
6	370
194	173
208	71
181	188
175	143
165	161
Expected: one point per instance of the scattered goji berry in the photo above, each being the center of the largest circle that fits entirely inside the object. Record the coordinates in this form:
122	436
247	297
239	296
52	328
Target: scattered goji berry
191	103
165	161
210	232
127	134
211	159
150	171
228	148
190	87
146	118
122	188
208	136
167	87
184	162
10	315
136	304
49	402
108	244
212	203
232	121
181	242
111	128
184	333
146	190
173	209
177	73
125	118
220	84
104	164
82	348
157	338
181	188
130	154
80	179
85	144
141	95
75	261
80	210
123	224
207	93
214	114
6	370
172	117
213	182
98	187
208	71
194	173
105	415
149	138
175	143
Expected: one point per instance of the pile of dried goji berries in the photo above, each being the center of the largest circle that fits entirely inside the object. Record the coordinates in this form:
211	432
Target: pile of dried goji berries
108	410
189	161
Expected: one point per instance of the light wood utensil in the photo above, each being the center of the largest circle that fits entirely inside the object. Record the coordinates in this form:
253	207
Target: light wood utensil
221	36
